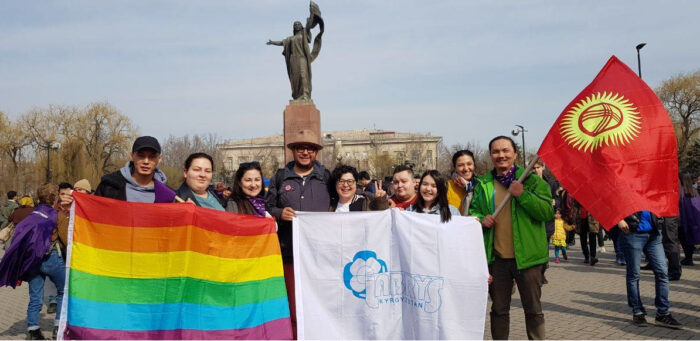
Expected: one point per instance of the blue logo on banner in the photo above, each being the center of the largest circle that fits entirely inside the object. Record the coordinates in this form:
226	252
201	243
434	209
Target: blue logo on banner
365	263
368	278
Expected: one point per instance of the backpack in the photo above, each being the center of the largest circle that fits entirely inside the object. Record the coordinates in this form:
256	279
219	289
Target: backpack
6	232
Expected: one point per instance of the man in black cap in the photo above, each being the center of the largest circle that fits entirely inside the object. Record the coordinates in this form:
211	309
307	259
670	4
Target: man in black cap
139	180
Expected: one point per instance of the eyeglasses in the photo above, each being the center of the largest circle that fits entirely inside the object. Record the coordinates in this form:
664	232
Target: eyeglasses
253	164
346	182
310	149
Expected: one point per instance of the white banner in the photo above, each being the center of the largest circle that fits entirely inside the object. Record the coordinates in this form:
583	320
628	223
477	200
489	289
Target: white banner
389	275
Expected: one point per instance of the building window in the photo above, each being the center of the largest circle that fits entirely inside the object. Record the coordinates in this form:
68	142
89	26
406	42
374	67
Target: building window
229	163
429	156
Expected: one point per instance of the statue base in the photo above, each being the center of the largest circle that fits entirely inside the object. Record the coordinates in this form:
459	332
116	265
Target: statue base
300	115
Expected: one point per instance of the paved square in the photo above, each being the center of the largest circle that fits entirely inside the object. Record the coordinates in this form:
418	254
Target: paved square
580	302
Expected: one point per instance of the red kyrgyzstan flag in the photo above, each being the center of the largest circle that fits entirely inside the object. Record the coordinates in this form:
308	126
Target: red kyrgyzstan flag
614	148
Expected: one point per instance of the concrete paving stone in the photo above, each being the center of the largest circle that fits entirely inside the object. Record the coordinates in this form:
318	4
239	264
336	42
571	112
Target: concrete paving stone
580	302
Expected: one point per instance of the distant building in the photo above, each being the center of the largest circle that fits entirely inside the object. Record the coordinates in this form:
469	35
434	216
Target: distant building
376	151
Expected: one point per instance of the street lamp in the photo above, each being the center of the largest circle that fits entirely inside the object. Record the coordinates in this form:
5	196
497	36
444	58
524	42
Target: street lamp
50	145
515	132
639	61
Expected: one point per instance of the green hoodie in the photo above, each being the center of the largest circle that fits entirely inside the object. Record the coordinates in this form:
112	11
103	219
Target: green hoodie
529	213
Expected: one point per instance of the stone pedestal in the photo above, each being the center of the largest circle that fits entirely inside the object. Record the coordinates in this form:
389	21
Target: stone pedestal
298	116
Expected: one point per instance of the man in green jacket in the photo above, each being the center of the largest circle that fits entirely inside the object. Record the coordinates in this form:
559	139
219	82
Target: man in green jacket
515	239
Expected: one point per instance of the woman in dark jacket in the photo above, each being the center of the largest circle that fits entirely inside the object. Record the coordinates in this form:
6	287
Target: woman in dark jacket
198	171
344	197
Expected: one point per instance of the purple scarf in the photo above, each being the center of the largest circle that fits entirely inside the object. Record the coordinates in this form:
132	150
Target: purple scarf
259	206
505	179
30	242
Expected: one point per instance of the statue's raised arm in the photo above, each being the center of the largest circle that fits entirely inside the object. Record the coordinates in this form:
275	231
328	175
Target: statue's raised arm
297	55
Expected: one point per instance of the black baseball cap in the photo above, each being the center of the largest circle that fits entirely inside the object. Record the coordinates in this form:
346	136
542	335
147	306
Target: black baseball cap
145	142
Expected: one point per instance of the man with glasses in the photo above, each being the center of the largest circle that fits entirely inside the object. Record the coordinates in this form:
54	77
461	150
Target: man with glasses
300	186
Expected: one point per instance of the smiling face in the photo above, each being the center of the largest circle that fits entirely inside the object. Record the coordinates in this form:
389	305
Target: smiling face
404	186
502	155
198	176
346	187
251	183
305	155
145	161
464	166
428	190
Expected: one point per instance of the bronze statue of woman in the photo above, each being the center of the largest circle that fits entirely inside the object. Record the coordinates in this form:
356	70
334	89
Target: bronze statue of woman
297	55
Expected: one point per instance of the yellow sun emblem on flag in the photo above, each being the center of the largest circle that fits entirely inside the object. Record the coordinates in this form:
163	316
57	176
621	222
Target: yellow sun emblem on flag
601	119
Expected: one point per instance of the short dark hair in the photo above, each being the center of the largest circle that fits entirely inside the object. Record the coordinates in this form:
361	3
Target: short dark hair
64	185
338	172
11	194
193	156
403	168
501	137
364	175
461	153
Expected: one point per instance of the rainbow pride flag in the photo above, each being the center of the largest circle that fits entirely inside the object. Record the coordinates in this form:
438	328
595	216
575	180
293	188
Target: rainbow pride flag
172	271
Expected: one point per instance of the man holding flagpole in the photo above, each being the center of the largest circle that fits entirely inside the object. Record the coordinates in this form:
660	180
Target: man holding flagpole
514	237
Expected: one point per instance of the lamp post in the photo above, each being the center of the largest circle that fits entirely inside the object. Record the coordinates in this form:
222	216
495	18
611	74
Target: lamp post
515	132
639	60
50	145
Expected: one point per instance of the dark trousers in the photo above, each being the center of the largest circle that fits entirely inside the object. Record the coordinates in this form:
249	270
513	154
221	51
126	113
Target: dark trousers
669	233
570	237
529	282
588	239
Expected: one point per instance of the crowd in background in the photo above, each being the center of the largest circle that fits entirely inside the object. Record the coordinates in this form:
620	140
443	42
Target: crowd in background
538	212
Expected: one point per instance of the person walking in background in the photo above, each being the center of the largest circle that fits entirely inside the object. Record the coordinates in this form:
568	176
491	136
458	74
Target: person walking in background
7	208
432	197
689	218
139	180
559	237
248	193
460	189
515	239
34	255
587	228
197	189
641	233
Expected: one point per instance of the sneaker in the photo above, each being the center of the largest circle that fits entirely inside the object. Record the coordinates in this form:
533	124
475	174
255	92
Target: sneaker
593	261
35	334
51	309
602	249
667	321
687	261
566	257
639	320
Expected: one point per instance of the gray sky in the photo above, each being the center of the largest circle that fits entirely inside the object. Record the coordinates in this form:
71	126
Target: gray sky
464	70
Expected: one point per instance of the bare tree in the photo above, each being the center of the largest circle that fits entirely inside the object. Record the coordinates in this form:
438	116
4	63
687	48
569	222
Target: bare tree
681	96
105	135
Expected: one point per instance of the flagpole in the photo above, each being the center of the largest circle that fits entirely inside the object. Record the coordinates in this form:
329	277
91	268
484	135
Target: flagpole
520	180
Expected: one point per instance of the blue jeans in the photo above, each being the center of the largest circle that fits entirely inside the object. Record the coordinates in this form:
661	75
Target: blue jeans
55	268
632	246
